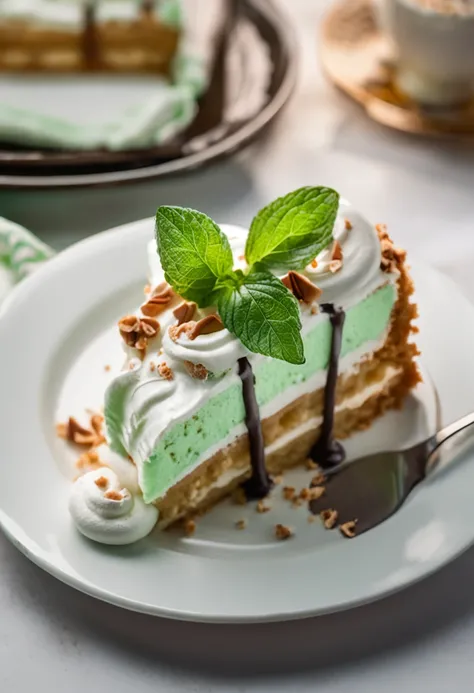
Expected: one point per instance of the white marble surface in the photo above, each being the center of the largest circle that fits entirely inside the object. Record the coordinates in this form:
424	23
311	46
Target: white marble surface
54	639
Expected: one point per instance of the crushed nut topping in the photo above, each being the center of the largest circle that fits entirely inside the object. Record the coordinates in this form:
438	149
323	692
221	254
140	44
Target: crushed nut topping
152	366
288	492
301	287
282	532
158	301
137	331
329	518
347	225
185	312
107	368
207	325
318	480
196	370
310	464
309	494
348	529
241	524
89	461
75	433
147	289
113	495
101	482
189	528
391	256
336	258
165	371
262	507
278	479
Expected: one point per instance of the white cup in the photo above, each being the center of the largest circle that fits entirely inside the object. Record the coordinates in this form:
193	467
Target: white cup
435	50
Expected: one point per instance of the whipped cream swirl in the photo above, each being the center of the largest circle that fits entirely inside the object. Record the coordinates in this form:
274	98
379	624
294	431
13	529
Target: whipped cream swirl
106	512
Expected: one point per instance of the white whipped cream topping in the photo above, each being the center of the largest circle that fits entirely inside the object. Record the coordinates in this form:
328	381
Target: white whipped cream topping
150	406
121	519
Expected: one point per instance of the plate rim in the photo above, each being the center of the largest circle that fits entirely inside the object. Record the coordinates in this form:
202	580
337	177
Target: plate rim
279	16
27	546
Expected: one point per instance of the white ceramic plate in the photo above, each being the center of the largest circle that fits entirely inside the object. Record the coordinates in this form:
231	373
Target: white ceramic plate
53	330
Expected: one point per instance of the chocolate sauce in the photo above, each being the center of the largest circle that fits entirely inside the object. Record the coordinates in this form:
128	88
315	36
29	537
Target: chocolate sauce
328	452
260	483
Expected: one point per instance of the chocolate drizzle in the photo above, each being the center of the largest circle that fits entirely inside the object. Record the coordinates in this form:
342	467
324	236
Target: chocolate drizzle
260	483
328	452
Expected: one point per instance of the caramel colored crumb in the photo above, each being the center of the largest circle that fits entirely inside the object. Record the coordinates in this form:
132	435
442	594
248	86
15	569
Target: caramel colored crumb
283	532
347	225
309	494
113	495
241	524
196	370
262	507
278	479
348	529
165	371
101	482
152	366
314	263
189	528
107	368
239	497
147	289
288	492
329	518
296	503
310	464
318	480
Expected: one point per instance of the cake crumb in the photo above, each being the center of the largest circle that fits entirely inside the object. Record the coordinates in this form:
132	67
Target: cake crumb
262	507
329	518
283	532
101	482
314	493
288	492
189	528
318	480
311	464
165	371
348	529
241	524
239	497
347	225
107	368
196	370
113	495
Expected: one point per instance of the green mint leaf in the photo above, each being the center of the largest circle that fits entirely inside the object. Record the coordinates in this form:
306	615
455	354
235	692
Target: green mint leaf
292	230
264	315
194	252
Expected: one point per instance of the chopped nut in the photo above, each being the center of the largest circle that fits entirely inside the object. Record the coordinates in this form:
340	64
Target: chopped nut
75	433
310	464
107	368
282	532
314	263
113	495
335	266
165	371
348	529
207	325
241	524
347	225
239	497
391	256
93	456
137	331
336	251
329	518
301	287
262	507
101	482
185	312
147	289
152	366
159	300
288	492
278	479
88	461
296	503
189	528
309	494
196	370
318	480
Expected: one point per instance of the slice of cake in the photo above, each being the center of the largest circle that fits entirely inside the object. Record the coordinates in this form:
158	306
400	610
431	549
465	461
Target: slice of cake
256	350
96	35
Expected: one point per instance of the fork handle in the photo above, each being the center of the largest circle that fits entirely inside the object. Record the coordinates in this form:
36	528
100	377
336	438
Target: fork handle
445	434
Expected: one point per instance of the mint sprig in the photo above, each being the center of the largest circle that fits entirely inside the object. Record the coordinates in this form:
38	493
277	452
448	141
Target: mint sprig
264	315
194	252
293	229
255	306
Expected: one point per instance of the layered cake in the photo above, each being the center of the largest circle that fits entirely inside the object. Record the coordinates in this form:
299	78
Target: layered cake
75	36
258	350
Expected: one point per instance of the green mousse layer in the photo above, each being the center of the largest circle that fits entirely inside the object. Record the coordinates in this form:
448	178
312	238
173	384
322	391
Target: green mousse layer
183	444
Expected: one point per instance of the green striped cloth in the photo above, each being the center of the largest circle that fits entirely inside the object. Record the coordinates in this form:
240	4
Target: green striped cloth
20	253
